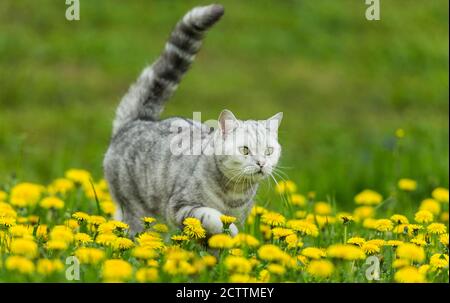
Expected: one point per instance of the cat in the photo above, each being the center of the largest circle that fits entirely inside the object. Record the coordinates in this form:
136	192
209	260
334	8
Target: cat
147	178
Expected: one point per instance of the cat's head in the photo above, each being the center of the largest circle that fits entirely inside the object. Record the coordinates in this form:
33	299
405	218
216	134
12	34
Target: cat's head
249	150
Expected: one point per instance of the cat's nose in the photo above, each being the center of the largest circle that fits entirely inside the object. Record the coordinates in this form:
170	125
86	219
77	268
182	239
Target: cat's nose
260	163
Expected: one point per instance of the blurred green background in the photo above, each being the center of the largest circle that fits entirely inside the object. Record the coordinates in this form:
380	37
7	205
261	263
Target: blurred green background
345	85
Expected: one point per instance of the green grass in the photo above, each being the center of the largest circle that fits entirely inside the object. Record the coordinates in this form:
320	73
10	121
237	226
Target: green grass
344	83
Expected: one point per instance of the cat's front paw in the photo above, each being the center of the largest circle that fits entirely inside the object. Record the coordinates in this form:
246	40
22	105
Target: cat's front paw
233	230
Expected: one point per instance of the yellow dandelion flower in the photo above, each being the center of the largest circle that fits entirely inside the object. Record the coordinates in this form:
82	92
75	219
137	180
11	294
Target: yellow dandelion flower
368	197
240	278
96	220
406	184
423	216
106	228
345	218
280	232
24	247
119	225
83	238
7	221
437	228
370	248
444	217
56	245
144	253
364	212
440	194
51	203
108	207
227	220
61	233
258	211
384	225
411	252
320	268
304	227
293	241
286	186
399	219
3	195
270	252
264	276
26	194
220	241
297	199
431	205
148	220
322	208
394	243
178	266
47	267
179	238
276	269
152	263
81	216
356	241
409	274
314	253
144	275
242	239
377	242
78	176
273	219
19	264
345	252
439	261
193	228
209	260
423	269
236	252
321	221
87	255
116	270
106	239
42	232
121	243
161	228
238	264
399	263
369	223
21	230
60	186
420	241
444	239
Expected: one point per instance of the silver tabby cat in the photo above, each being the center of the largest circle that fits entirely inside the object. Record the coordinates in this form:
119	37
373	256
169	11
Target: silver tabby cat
148	178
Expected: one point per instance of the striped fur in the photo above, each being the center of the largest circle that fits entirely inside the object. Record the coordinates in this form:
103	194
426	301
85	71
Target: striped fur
145	99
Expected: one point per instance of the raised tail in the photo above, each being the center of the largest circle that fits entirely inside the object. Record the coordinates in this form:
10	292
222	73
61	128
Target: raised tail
145	98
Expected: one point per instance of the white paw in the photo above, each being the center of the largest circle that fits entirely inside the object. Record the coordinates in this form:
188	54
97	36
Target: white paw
211	221
233	230
213	226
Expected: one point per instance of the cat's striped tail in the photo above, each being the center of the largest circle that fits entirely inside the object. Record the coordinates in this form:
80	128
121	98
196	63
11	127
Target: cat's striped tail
145	99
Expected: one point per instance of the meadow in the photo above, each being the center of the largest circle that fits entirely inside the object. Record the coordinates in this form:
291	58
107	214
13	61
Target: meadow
365	108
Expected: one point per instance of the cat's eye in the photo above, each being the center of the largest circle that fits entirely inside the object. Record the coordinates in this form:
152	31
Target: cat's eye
244	150
269	151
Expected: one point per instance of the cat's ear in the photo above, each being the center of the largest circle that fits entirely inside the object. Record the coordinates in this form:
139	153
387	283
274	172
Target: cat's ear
274	122
227	122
